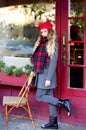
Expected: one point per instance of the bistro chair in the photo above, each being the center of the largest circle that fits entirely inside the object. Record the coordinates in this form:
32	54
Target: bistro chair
12	102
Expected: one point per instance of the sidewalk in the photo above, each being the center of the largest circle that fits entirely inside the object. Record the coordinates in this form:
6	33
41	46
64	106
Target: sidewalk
25	124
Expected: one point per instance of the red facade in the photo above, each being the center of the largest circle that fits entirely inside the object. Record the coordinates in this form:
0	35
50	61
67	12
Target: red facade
10	85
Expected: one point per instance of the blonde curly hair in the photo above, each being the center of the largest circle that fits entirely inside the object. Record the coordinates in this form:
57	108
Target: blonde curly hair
51	42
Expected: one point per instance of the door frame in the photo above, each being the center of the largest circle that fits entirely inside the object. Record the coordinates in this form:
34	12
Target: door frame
61	27
77	96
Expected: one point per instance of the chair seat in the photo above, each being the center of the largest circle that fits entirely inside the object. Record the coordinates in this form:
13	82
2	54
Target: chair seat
11	100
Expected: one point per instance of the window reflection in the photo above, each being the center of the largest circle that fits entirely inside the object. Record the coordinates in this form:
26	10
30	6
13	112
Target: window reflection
76	77
76	43
76	30
18	28
76	53
76	8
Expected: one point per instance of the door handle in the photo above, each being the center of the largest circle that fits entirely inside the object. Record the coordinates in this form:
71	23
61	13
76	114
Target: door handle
64	58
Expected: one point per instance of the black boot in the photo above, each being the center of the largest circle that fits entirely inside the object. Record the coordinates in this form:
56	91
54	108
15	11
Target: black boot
66	105
52	124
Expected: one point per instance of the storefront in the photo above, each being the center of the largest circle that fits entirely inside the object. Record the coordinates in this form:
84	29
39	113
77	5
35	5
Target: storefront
70	21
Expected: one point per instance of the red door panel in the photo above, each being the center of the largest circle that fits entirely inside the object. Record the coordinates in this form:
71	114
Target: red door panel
71	32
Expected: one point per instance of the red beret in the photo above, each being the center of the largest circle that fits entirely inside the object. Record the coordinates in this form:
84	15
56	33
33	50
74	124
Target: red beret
44	25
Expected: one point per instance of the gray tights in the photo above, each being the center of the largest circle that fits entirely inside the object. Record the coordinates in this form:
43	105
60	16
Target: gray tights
46	95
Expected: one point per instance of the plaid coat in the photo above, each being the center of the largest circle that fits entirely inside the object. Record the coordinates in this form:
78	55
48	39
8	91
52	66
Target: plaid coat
49	73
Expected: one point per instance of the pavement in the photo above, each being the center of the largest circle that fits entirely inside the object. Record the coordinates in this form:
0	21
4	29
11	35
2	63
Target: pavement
25	124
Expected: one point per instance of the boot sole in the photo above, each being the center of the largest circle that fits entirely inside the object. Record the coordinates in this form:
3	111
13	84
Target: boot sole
49	127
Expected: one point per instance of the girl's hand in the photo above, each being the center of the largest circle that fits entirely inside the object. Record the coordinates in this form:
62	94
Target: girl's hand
47	83
32	73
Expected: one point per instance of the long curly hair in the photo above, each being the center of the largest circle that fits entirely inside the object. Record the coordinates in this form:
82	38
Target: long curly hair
51	42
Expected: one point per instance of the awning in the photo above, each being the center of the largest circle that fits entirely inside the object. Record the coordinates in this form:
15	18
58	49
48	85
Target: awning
4	3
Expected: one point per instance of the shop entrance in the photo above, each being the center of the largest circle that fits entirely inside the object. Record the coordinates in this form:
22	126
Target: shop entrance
71	32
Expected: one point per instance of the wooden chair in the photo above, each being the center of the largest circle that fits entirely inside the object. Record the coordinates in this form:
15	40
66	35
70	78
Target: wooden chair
21	100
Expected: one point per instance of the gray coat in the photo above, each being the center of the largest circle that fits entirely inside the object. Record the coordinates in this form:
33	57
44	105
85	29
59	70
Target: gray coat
49	73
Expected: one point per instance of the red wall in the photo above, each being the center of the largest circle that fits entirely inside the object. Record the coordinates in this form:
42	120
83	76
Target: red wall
11	85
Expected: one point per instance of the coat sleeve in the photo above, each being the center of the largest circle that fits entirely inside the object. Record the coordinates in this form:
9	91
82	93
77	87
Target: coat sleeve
52	64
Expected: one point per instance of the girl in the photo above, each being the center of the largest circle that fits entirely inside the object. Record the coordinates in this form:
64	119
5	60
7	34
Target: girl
44	60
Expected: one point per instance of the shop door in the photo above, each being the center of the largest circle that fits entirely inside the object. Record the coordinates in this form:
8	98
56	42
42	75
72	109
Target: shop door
71	32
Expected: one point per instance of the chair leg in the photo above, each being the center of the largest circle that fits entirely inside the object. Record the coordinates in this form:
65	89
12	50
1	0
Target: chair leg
30	114
6	116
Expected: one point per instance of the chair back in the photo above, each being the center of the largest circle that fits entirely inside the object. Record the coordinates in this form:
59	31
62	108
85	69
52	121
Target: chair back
24	92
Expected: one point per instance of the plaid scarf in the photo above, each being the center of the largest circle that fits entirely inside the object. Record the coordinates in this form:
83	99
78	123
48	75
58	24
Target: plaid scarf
40	58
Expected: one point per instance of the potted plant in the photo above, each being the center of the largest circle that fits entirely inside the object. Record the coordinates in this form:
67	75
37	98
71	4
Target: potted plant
11	75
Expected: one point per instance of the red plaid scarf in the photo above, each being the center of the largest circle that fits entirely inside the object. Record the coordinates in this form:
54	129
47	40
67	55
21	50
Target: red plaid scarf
40	58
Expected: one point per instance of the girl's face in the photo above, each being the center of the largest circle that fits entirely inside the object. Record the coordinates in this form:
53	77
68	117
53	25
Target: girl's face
44	32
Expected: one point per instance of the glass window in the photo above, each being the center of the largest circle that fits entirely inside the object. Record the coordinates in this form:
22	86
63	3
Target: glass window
76	53
18	30
76	77
76	43
76	8
76	29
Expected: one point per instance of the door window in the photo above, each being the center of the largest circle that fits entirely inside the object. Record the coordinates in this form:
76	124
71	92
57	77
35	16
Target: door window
76	42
